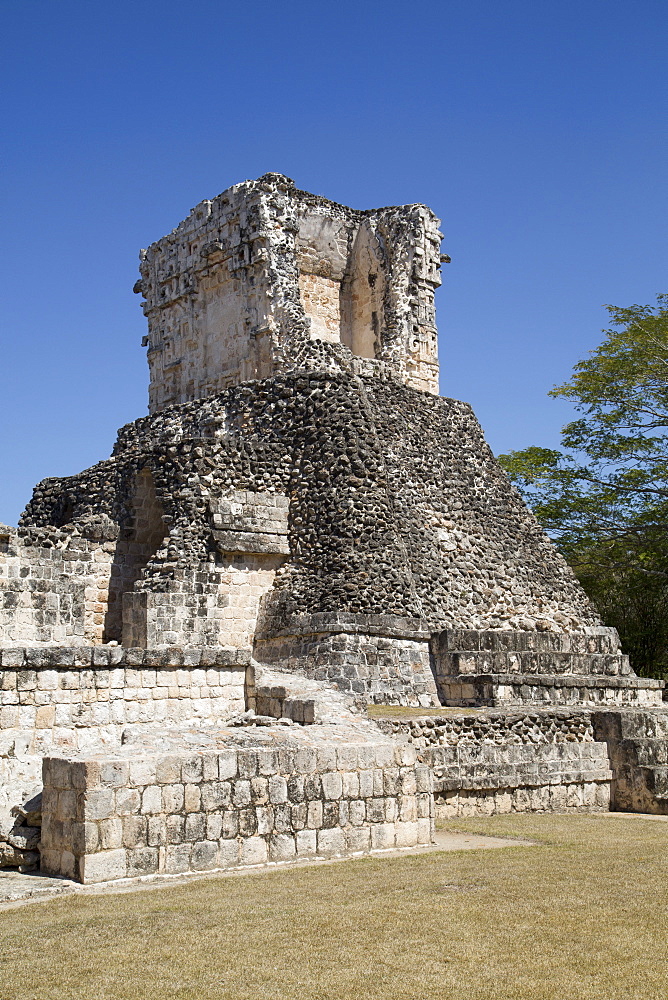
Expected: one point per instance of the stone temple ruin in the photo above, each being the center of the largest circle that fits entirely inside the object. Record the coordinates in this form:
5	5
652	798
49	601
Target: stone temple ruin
191	631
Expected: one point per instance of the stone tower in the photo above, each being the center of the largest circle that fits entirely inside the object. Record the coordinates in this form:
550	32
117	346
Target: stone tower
250	279
299	491
301	526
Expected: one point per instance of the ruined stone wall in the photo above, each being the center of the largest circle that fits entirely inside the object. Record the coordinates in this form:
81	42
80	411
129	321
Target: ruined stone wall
637	744
565	777
64	692
62	700
396	507
215	605
212	311
241	288
492	762
477	555
511	668
140	536
64	581
379	658
368	280
53	588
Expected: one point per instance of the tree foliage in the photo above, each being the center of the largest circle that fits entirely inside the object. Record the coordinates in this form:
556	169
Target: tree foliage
604	497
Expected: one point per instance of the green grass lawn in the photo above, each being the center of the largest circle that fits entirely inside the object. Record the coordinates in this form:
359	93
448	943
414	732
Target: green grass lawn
582	915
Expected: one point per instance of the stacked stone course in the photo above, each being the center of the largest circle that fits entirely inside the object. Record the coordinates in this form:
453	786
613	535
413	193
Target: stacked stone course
63	689
496	762
53	587
512	668
637	744
119	817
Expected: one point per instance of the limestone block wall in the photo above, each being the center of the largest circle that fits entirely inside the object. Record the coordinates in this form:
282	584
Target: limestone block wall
68	700
216	605
576	690
320	297
141	533
52	589
125	815
512	668
20	784
251	522
382	659
637	742
66	691
495	762
58	586
565	777
367	282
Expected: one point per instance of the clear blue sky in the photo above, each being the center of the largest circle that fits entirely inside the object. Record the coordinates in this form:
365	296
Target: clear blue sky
535	129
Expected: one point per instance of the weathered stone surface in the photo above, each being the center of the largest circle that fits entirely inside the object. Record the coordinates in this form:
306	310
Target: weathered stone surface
637	743
345	286
513	668
330	484
364	780
336	444
299	528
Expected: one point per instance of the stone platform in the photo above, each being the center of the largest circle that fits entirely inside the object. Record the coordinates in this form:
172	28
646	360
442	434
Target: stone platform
197	800
488	761
175	760
510	668
531	760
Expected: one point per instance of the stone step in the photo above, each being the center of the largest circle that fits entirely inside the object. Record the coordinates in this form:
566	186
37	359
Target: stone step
575	689
637	742
461	640
532	662
638	725
85	657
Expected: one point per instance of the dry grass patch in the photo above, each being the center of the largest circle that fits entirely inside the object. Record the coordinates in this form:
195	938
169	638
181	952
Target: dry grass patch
412	712
583	915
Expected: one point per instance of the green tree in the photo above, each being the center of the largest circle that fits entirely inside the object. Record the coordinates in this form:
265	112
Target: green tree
604	497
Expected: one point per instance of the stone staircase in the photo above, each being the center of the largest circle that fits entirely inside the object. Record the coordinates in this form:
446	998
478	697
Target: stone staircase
638	752
498	668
